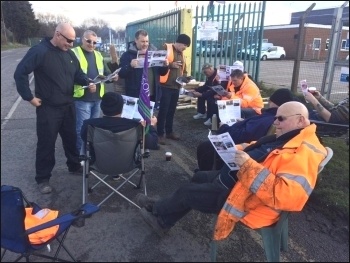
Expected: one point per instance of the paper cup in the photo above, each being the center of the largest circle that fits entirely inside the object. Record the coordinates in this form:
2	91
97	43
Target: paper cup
168	156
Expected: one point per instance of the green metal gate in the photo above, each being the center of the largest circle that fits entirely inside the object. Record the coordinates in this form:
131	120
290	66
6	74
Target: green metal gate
240	26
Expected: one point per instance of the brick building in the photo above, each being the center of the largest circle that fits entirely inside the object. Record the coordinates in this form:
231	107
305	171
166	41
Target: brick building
316	40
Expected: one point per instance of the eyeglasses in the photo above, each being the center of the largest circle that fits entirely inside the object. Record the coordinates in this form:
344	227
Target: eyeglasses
283	118
69	41
90	41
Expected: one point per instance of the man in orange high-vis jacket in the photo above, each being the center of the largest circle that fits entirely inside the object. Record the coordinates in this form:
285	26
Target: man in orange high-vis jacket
170	89
277	172
240	86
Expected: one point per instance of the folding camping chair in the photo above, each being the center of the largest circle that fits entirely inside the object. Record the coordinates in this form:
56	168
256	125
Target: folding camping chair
274	237
326	129
14	236
109	154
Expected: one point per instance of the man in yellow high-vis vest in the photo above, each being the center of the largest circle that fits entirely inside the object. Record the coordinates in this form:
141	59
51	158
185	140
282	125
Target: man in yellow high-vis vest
87	101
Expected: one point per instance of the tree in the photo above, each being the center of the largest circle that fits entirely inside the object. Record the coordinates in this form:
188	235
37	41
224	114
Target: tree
48	23
20	20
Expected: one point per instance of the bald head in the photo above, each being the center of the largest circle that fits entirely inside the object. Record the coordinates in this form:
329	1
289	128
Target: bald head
64	36
290	116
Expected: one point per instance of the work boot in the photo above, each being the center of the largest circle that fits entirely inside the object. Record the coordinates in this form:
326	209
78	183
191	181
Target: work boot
145	201
45	188
152	220
161	140
173	136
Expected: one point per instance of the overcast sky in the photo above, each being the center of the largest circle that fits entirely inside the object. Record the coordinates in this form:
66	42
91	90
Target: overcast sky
119	13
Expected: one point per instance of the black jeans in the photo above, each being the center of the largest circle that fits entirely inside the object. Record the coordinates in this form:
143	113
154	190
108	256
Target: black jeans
52	121
212	107
204	193
167	108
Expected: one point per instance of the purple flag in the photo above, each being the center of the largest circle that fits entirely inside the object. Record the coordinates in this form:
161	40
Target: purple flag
144	104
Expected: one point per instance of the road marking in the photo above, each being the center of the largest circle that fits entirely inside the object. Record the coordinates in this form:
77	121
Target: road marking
13	108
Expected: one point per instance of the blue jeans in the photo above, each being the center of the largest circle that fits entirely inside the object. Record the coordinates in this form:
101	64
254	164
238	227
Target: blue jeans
204	193
85	110
167	108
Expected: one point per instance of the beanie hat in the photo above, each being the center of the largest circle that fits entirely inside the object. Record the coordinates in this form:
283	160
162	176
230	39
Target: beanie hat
237	65
184	39
112	104
281	96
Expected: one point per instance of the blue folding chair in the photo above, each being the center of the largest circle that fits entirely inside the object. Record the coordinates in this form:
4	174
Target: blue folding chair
14	236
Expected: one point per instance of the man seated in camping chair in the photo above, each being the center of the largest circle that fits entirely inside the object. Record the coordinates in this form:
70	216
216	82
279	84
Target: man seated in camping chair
331	119
112	106
276	173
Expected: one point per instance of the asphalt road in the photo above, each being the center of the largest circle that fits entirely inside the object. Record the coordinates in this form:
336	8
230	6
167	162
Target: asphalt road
117	232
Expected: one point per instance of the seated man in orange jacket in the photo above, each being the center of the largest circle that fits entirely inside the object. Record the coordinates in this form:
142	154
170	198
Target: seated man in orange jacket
242	87
268	179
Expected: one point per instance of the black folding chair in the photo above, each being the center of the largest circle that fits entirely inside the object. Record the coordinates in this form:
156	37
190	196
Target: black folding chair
120	153
14	236
334	130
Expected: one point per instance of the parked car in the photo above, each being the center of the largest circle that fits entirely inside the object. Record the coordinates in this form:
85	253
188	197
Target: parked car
251	49
274	52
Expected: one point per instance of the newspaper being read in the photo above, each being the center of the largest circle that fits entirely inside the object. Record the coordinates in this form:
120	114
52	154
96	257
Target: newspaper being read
229	111
101	78
131	109
155	58
219	90
224	72
225	147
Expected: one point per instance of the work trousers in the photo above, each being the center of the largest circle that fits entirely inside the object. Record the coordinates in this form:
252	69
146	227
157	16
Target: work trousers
52	121
167	108
204	193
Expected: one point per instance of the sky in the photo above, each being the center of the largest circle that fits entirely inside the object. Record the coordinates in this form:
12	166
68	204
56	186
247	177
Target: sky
118	13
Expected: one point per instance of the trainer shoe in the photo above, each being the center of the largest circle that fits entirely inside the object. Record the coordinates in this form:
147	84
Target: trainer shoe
152	220
145	202
200	116
45	188
207	122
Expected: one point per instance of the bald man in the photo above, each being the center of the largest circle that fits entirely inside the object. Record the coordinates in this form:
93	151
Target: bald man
56	70
277	172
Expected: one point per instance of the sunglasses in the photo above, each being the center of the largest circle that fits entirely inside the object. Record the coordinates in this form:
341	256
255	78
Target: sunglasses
69	41
90	41
283	118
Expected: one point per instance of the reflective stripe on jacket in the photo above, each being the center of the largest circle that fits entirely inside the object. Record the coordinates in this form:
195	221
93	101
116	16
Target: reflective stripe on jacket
249	94
283	181
78	90
170	58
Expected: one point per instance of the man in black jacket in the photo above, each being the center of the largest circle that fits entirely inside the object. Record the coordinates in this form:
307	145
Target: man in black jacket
56	70
205	93
132	73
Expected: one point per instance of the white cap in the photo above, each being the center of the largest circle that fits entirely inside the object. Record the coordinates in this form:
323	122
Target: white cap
237	65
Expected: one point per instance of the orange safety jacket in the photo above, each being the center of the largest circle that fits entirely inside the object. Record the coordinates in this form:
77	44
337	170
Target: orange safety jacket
249	94
283	181
170	58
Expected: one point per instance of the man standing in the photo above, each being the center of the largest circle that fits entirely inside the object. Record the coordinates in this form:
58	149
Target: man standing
170	89
87	101
56	69
131	70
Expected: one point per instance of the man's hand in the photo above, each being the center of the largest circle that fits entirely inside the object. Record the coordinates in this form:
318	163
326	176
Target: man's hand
154	121
134	63
309	97
36	102
240	157
92	87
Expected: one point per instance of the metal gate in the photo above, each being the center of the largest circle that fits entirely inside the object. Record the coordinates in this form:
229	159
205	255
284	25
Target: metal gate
240	25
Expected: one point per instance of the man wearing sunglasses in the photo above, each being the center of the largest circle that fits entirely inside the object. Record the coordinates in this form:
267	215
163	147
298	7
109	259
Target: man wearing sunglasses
87	101
277	172
56	70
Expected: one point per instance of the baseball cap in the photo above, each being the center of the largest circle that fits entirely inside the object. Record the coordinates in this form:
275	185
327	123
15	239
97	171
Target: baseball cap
238	65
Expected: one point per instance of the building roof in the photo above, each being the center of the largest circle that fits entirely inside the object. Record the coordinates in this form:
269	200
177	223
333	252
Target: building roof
321	16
